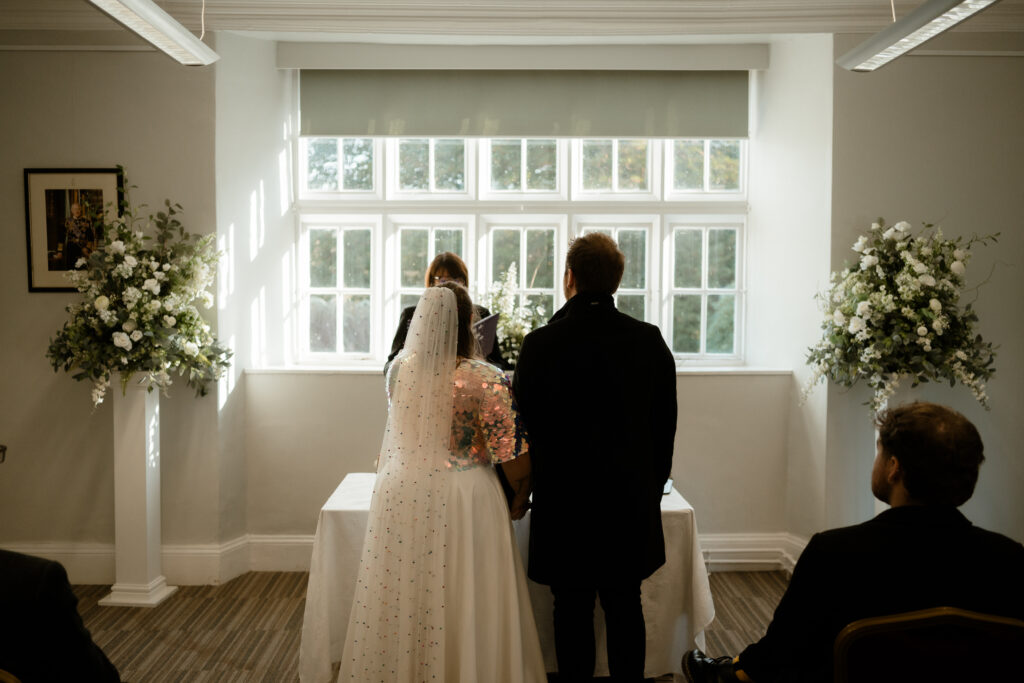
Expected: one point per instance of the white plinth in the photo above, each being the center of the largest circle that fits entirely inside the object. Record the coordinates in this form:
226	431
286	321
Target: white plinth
139	581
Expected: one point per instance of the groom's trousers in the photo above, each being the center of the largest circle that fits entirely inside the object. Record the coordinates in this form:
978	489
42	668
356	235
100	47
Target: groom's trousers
575	650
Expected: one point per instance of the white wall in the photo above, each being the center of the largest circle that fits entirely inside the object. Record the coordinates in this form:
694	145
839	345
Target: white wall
938	139
95	109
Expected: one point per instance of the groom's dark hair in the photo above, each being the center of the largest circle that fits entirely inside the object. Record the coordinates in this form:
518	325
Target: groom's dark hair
468	347
596	262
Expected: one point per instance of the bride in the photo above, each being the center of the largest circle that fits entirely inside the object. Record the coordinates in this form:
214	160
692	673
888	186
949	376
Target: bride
441	593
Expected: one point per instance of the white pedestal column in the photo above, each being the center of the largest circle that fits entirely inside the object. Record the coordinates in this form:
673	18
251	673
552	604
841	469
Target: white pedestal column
139	581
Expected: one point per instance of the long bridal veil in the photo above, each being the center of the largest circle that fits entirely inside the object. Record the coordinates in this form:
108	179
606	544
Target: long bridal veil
399	594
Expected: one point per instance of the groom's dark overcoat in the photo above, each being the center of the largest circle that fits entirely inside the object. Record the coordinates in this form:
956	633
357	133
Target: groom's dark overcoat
597	393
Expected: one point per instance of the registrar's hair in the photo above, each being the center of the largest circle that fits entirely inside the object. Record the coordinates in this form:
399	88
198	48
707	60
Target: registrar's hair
596	262
938	449
468	346
449	263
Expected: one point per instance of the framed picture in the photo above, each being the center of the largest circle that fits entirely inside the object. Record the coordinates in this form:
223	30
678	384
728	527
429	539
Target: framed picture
64	219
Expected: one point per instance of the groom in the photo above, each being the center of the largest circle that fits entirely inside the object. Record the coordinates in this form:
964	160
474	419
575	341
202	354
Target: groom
597	392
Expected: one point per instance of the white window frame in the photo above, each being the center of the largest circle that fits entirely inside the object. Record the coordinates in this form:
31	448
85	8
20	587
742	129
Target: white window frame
377	193
395	192
649	223
490	222
704	194
705	223
654	167
339	222
394	224
561	191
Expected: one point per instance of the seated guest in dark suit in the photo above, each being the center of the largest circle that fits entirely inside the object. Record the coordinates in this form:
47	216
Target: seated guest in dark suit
920	553
446	267
42	637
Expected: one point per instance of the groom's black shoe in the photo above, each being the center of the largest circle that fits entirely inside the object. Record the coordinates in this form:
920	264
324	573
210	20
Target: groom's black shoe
699	668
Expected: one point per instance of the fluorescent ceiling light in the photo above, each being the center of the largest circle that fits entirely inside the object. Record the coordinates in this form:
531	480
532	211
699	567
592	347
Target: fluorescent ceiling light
160	29
924	23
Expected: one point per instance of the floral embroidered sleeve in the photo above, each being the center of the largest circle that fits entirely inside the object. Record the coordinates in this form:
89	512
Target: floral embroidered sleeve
485	423
500	421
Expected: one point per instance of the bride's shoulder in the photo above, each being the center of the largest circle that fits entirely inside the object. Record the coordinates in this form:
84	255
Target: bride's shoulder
481	369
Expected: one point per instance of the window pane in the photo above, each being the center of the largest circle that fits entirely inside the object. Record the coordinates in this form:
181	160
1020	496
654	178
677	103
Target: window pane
725	165
505	251
632	165
414	257
413	164
450	165
541	165
688	172
542	306
506	163
357	258
323	258
323	322
322	164
633	244
409	300
721	323
688	258
721	258
597	164
358	164
632	305
540	259
448	239
356	329
603	231
686	323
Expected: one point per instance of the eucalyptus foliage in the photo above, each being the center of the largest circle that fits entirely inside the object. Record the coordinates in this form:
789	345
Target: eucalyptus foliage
138	311
896	314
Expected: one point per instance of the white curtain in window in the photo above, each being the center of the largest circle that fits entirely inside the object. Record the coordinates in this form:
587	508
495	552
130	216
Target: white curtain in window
524	103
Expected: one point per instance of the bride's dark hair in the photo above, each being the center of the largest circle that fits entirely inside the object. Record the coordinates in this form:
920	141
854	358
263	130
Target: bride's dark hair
468	346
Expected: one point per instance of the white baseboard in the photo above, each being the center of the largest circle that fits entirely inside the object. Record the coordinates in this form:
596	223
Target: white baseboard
751	552
212	563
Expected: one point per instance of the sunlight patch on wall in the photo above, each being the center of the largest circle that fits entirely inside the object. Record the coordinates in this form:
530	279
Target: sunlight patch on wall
288	305
226	383
258	331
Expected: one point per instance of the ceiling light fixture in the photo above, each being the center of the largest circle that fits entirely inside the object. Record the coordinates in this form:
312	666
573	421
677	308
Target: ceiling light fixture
160	29
924	23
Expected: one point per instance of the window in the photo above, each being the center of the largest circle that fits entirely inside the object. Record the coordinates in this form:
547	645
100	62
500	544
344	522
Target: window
337	287
705	293
365	245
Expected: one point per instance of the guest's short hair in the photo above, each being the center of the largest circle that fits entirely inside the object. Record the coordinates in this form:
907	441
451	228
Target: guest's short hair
596	262
449	263
468	346
938	449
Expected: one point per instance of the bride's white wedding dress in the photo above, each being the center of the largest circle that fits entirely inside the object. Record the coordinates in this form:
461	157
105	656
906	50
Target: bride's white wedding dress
441	593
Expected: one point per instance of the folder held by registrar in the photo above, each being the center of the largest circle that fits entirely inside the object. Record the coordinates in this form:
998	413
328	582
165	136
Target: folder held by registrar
486	331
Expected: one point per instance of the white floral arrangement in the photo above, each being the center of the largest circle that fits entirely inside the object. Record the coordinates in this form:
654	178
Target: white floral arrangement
138	314
896	314
515	319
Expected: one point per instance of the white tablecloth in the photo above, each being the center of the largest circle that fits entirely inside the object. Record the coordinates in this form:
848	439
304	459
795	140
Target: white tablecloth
676	599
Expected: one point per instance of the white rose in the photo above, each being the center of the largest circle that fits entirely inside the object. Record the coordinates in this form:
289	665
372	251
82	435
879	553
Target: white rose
957	267
129	326
922	331
152	285
838	318
867	261
863	308
856	325
927	280
889	234
861	242
902	226
959	254
136	335
169	320
165	267
920	268
190	348
935	305
130	261
937	326
121	340
80	262
206	298
101	303
116	247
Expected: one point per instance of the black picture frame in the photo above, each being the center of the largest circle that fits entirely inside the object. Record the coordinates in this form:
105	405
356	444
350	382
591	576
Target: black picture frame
64	210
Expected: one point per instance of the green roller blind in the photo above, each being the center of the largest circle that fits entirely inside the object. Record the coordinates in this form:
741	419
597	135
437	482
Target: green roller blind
524	103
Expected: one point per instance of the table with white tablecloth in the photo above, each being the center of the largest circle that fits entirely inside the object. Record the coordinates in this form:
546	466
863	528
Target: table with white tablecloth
676	599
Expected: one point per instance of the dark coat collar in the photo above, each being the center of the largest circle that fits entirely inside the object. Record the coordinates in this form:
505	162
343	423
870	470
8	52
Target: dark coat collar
584	302
923	515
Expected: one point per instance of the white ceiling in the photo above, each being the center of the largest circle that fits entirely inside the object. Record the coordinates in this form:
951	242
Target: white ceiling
505	21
